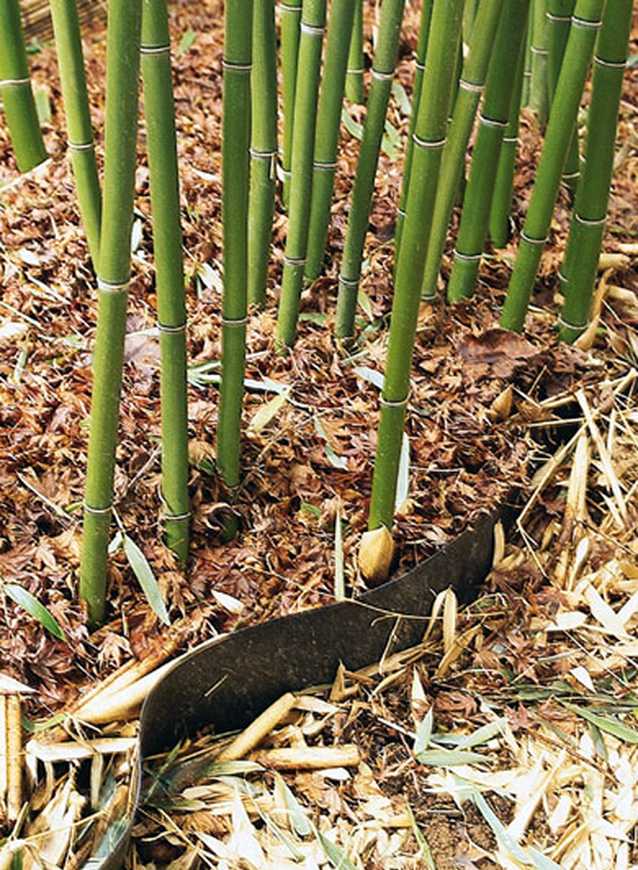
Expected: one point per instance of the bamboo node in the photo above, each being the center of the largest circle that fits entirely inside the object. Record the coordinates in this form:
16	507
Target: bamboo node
551	16
424	143
543	52
349	282
532	241
612	64
324	166
172	330
387	403
294	262
80	146
236	67
470	258
570	175
311	29
176	518
511	140
589	222
111	287
382	76
98	512
575	326
287	7
154	49
492	122
230	322
13	83
472	87
419	64
583	22
402	212
355	72
262	155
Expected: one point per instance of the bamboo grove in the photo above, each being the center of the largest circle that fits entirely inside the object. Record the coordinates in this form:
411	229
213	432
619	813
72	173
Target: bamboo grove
289	69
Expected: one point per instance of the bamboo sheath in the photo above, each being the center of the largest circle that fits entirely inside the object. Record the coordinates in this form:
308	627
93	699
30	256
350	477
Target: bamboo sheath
580	45
429	140
303	148
592	197
559	17
15	90
467	101
493	122
263	149
123	59
501	206
290	13
161	139
385	58
235	159
68	41
327	133
354	89
419	69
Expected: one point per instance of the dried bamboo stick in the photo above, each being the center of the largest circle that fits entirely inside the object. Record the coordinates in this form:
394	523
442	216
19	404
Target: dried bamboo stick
308	757
257	730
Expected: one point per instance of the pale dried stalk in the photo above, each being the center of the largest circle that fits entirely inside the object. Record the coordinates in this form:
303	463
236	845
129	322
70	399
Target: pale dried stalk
14	756
3	748
308	758
259	729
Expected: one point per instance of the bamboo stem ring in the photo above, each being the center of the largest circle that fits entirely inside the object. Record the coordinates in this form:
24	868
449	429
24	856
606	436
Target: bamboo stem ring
599	222
583	22
80	146
237	67
383	76
388	403
491	122
576	326
621	64
312	29
172	330
241	321
14	83
112	287
294	261
98	512
472	87
424	143
531	241
551	16
469	258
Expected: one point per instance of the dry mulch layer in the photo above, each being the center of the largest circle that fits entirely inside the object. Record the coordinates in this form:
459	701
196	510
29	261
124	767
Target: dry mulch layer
309	442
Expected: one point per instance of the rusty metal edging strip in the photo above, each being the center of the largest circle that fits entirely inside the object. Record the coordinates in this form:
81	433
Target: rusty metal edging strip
229	681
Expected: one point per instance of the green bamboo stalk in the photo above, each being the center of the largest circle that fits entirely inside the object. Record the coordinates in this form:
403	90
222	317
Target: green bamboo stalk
68	40
469	16
429	140
355	91
493	122
290	35
263	150
499	226
235	158
15	90
303	149
327	133
559	18
419	69
159	112
122	75
592	197
527	69
539	93
578	54
452	169
385	58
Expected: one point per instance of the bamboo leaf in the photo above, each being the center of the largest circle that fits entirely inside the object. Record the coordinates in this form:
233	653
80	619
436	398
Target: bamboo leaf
298	815
424	733
351	125
373	377
267	413
424	846
340	586
609	726
38	611
334	459
144	573
186	42
449	757
402	99
364	302
335	855
42	105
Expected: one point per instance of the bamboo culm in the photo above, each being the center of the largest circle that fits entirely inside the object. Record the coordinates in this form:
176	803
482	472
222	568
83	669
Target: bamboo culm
470	89
493	122
355	91
592	197
327	133
15	90
527	67
559	17
539	92
122	79
419	69
290	12
159	113
68	41
429	140
303	149
385	57
501	206
263	149
235	160
578	54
